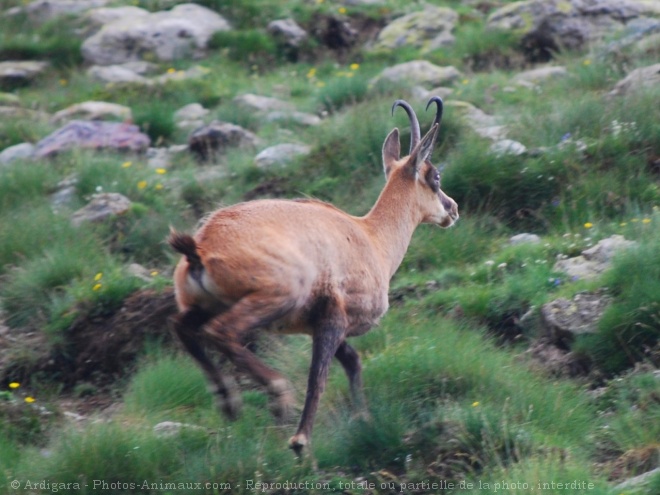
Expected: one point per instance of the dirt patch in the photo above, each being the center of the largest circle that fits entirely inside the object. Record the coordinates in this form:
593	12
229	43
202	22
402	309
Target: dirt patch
97	350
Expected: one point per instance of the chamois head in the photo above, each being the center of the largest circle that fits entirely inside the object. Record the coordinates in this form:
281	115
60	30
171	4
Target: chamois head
417	169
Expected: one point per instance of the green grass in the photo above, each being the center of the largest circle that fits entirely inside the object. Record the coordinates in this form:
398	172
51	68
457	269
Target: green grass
451	393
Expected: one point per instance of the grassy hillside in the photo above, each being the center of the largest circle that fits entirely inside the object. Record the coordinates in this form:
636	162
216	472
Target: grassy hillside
458	404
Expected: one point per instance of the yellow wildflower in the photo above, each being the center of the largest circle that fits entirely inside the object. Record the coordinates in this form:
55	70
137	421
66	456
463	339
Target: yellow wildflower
342	10
320	84
586	62
63	82
14	385
465	81
161	171
475	404
646	220
142	184
97	287
354	66
171	70
98	276
158	187
154	273
588	225
29	399
126	164
311	73
623	224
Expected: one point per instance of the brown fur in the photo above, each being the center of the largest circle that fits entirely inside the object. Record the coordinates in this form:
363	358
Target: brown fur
301	266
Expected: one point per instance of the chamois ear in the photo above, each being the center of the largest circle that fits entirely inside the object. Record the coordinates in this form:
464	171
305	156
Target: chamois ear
424	149
391	150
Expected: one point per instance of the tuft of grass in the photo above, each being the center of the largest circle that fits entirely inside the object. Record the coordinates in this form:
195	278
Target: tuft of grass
167	383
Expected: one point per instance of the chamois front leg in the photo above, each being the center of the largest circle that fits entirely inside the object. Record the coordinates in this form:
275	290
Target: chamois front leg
327	337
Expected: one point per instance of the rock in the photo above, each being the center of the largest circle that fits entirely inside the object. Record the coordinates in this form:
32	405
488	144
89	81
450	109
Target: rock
20	73
93	135
168	429
196	72
302	118
562	319
507	147
287	32
190	116
41	11
606	249
262	104
638	481
524	239
116	74
644	77
418	72
138	271
93	110
594	261
217	136
23	151
98	18
181	32
536	76
162	157
9	99
423	95
485	125
101	207
280	154
637	32
65	194
427	29
549	26
14	112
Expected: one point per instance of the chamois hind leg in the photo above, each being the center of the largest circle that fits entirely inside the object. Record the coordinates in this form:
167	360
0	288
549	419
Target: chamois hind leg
225	332
187	326
350	360
329	332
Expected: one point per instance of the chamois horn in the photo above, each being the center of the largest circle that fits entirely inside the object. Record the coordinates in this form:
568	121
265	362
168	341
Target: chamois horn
415	133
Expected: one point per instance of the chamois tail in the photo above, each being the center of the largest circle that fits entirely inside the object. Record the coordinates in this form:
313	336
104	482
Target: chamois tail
186	245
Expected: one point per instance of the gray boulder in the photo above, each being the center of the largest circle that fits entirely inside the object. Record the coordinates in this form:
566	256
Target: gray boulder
20	73
485	125
287	32
101	207
262	104
217	137
427	29
190	116
595	260
644	77
23	151
507	147
418	72
524	238
93	110
280	154
79	134
181	32
562	319
301	118
40	11
552	25
538	75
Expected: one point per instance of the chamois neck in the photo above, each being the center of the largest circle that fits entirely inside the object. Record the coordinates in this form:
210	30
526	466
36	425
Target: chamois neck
392	222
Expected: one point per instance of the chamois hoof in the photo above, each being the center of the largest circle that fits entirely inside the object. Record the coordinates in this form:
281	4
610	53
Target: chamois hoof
282	400
297	443
231	406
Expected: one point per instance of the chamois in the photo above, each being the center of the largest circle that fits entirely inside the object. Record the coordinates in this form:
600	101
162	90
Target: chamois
303	266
